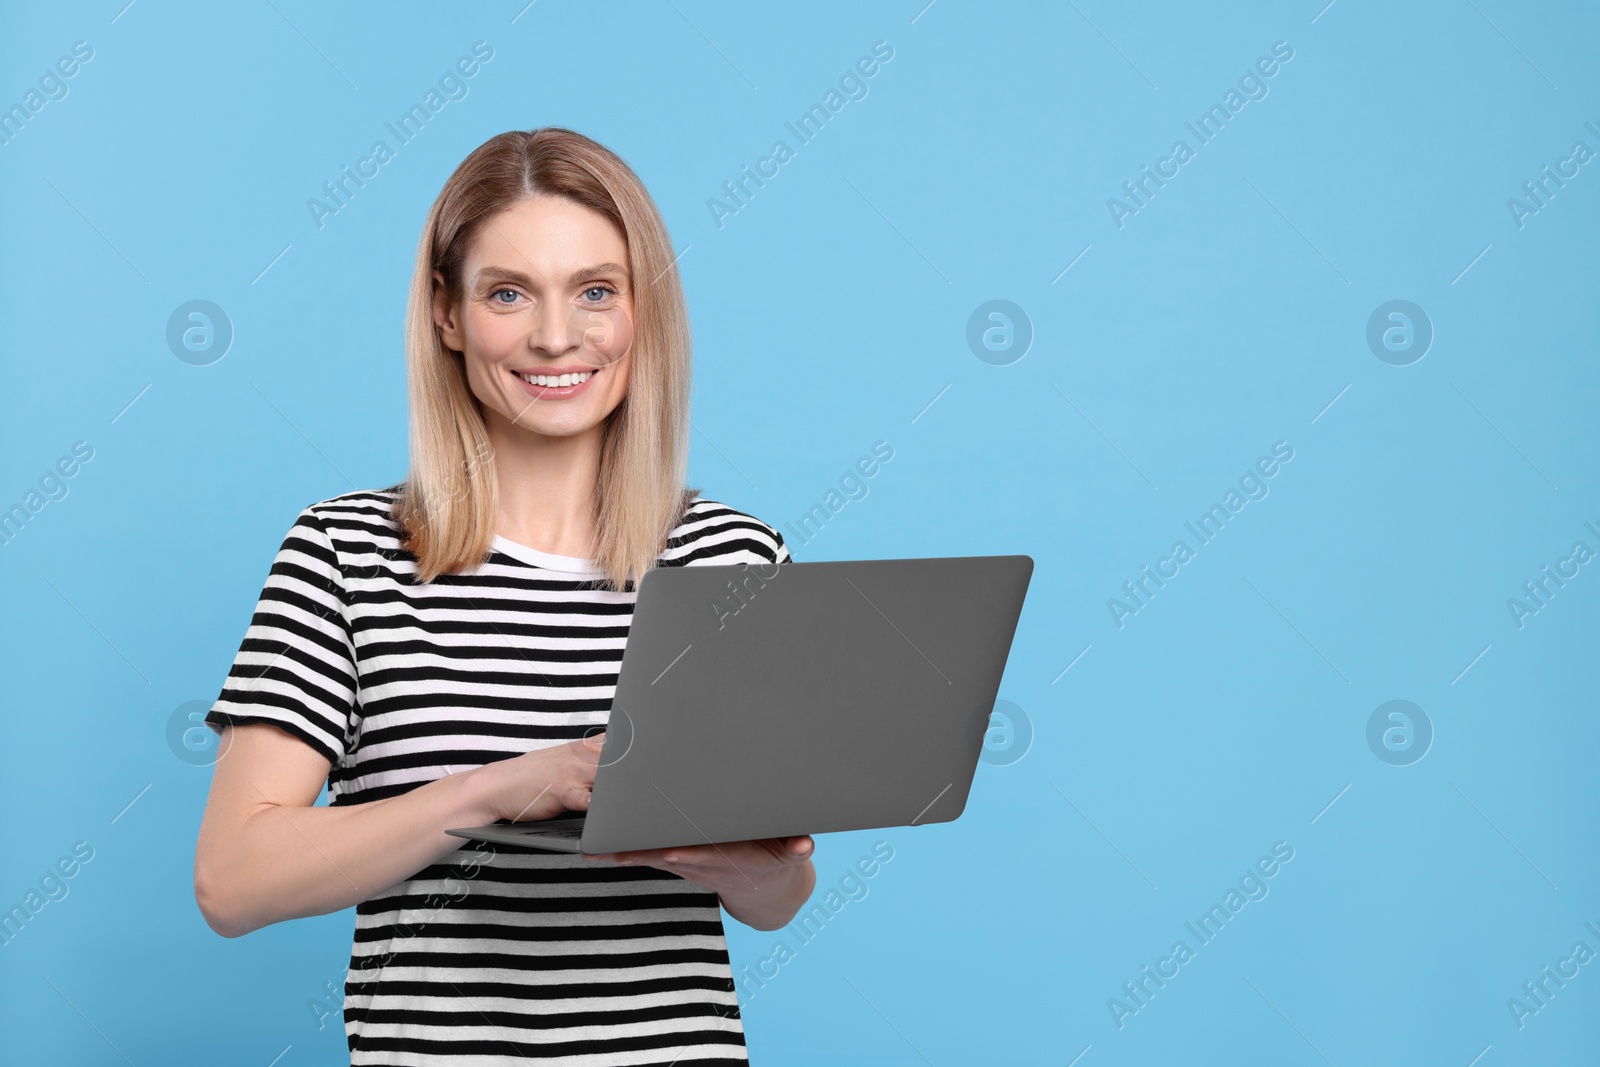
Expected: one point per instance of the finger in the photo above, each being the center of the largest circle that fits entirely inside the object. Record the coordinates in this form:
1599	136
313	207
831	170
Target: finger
695	856
655	857
576	797
630	859
788	850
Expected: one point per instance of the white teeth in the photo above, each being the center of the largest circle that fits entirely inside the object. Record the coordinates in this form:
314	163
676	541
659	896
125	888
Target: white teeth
556	380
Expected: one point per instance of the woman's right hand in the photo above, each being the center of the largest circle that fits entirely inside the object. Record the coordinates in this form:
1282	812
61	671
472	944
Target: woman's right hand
543	783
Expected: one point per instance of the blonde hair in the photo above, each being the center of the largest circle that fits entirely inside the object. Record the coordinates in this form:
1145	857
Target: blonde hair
448	503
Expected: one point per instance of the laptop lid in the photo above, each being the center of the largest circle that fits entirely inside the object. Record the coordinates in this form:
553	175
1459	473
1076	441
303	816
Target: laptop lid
768	701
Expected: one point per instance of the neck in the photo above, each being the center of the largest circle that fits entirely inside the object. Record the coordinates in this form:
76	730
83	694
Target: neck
548	487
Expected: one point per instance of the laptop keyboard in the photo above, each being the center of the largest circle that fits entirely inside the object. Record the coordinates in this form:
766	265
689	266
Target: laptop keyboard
563	828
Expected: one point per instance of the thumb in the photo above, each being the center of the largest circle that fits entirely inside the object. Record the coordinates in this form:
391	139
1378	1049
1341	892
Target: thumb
595	740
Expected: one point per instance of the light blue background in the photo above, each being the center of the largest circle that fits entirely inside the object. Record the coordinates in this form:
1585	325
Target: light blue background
828	312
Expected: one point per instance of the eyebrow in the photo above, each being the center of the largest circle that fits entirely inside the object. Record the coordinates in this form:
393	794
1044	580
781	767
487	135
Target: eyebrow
599	270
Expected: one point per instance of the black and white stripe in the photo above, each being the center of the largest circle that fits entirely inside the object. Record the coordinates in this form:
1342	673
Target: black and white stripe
493	957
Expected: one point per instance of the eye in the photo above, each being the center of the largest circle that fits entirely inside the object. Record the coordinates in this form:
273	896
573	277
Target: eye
494	297
598	288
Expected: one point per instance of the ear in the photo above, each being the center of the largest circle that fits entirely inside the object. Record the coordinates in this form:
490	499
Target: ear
445	315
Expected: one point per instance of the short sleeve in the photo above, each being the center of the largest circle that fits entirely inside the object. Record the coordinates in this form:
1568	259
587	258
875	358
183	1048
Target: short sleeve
296	668
782	555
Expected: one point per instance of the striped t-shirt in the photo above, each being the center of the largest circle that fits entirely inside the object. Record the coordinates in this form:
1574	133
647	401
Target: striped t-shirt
490	956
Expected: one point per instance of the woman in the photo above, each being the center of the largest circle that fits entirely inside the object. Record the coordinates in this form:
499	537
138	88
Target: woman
443	652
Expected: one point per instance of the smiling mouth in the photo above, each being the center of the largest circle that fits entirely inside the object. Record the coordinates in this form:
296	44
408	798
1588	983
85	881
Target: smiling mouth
555	381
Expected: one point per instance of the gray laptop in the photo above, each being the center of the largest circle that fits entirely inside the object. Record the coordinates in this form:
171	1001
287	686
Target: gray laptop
770	701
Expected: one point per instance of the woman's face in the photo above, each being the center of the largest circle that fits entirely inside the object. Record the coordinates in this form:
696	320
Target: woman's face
545	322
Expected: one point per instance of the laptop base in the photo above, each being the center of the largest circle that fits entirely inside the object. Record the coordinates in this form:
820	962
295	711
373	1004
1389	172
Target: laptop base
561	834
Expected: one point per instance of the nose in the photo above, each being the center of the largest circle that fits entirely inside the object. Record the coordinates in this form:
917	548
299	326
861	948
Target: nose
552	332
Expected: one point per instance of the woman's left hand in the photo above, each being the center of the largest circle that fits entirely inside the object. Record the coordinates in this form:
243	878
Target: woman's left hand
761	883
